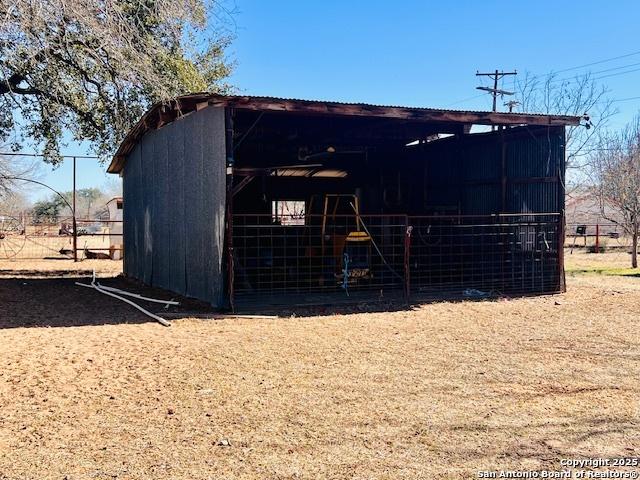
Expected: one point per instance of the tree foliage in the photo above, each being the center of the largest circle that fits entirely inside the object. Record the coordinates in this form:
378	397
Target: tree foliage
48	211
89	201
92	67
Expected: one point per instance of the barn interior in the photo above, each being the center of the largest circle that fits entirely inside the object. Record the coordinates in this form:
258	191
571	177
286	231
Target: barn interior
333	203
301	158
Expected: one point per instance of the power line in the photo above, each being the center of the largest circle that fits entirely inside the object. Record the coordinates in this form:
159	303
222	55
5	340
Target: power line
570	69
598	62
555	80
625	99
616	68
616	74
575	78
571	79
465	100
616	100
555	72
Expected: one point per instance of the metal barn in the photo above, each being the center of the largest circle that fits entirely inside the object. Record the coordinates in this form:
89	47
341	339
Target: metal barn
242	201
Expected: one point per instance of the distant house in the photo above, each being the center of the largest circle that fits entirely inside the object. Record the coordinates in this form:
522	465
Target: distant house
583	207
116	241
237	200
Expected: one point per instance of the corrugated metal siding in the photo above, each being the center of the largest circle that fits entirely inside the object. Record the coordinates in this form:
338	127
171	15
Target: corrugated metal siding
480	159
174	193
535	155
468	172
540	154
532	198
146	191
176	222
442	174
480	199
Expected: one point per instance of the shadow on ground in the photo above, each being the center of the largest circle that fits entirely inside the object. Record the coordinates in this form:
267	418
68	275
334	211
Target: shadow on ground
59	302
339	304
52	299
617	272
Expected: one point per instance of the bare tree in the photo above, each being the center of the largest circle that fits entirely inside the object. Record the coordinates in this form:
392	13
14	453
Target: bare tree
615	168
581	95
112	187
13	203
91	67
12	170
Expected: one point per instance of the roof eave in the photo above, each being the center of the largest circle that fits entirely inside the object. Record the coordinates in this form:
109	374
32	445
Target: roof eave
163	113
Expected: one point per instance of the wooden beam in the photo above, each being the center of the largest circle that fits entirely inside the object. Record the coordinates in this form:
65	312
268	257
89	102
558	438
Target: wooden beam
243	183
416	114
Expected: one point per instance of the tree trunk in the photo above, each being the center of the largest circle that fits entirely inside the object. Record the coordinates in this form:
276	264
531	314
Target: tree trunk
634	250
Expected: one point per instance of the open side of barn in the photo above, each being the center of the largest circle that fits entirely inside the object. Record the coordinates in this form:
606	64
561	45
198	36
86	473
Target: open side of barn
254	200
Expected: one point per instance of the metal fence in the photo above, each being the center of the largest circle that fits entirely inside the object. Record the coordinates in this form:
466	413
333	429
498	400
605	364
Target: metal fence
27	237
280	258
478	255
287	261
595	246
342	254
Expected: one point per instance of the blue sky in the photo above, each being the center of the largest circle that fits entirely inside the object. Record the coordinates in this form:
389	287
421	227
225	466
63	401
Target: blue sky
417	53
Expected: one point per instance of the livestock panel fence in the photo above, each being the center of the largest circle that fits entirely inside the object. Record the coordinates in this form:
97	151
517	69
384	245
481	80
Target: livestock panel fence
300	258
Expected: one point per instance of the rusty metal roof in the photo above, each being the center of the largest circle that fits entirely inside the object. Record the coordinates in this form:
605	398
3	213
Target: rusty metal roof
165	112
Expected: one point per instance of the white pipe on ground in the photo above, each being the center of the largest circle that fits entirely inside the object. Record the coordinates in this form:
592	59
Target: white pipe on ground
138	296
158	319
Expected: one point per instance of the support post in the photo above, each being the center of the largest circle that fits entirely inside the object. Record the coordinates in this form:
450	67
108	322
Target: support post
229	145
503	172
73	213
503	204
597	237
407	264
562	228
562	222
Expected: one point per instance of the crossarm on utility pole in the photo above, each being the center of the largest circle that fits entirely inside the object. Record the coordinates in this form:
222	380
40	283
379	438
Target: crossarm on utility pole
497	75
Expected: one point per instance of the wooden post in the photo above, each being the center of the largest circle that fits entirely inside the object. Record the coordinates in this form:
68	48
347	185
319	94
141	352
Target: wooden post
503	172
597	237
229	146
562	221
407	260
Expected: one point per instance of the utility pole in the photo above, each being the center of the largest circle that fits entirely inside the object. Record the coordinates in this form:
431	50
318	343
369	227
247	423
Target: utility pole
511	104
495	91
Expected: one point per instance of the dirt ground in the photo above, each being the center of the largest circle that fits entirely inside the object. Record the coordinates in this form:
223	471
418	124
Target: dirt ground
441	391
59	268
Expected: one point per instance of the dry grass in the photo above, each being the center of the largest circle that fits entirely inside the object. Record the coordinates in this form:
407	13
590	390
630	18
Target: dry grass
612	263
57	268
35	246
438	392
